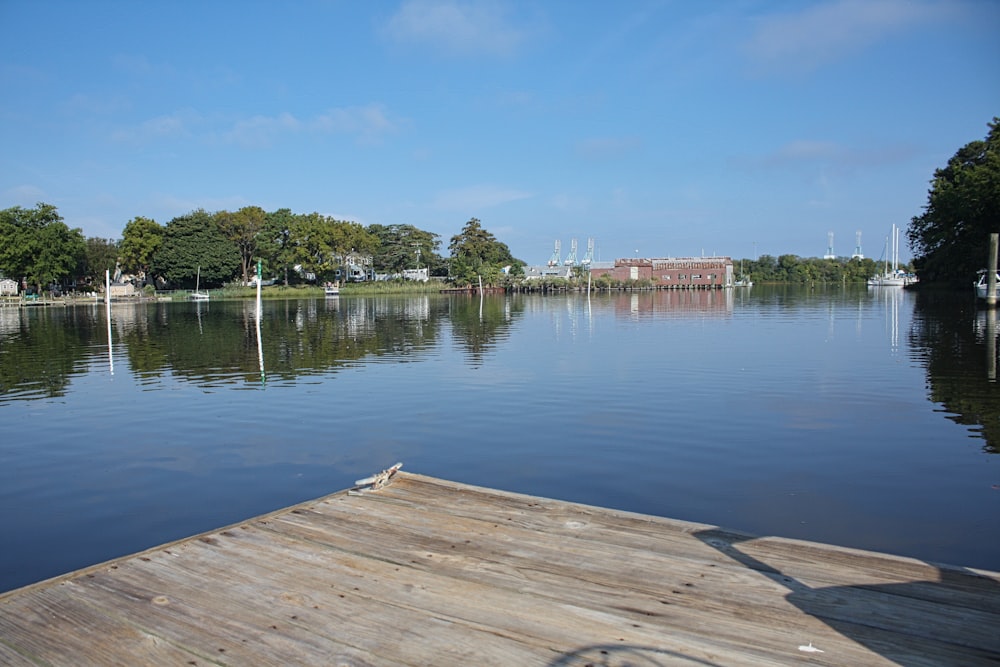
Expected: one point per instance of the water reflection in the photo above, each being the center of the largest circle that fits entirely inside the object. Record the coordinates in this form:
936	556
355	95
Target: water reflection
480	324
986	330
675	302
890	297
42	348
774	410
957	344
221	343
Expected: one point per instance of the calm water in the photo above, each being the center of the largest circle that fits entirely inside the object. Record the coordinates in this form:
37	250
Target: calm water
856	417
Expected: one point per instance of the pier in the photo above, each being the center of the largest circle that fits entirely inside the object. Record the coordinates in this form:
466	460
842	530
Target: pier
425	571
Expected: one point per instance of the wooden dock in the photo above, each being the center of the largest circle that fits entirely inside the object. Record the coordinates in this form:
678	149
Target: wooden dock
431	572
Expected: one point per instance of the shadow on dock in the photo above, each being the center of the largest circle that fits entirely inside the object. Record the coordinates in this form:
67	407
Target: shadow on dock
901	621
605	655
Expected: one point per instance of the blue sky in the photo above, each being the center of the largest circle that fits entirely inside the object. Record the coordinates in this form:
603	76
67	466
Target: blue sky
664	128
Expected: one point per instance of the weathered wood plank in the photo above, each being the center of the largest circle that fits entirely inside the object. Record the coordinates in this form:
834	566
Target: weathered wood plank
749	600
557	623
506	614
802	563
821	563
426	571
51	627
427	529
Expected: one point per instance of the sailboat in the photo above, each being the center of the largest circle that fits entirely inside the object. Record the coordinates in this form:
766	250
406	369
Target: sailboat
892	275
197	295
744	279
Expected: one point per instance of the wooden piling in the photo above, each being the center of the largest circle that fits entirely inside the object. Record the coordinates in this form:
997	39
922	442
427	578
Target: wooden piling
991	272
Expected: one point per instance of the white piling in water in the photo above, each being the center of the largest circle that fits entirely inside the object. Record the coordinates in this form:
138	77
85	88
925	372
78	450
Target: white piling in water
107	308
260	343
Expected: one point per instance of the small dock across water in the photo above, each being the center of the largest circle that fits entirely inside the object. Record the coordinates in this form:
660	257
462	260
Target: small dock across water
430	572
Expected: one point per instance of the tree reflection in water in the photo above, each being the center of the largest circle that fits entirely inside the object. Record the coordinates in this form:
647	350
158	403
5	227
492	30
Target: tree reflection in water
956	341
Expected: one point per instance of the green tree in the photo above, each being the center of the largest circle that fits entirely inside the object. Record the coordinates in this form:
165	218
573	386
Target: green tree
194	242
141	240
404	247
243	228
476	252
321	243
275	244
101	256
20	230
61	254
38	247
351	237
950	239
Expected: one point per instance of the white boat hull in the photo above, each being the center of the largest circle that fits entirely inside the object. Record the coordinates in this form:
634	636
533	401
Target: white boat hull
982	285
887	281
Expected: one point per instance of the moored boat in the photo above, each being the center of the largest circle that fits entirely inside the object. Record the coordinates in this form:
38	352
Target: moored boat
197	294
892	275
982	284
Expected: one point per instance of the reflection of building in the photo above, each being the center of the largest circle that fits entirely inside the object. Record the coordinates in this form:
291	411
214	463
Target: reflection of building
10	320
703	302
672	272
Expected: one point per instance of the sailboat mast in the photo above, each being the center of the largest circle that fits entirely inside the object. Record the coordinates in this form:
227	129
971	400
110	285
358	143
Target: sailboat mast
895	248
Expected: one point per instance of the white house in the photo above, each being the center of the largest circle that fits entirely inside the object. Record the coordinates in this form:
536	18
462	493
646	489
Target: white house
8	287
420	275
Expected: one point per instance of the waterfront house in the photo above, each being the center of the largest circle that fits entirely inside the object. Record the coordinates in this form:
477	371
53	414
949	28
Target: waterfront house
8	287
119	290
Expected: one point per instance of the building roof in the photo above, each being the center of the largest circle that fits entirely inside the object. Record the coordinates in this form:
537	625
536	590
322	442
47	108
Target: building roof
539	272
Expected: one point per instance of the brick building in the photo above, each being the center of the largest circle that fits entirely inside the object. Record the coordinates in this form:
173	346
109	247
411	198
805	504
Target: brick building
672	272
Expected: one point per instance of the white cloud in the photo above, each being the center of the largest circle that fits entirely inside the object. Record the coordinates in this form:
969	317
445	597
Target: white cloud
477	197
175	206
828	31
568	203
24	196
605	148
368	123
258	131
457	28
96	104
803	151
140	66
177	124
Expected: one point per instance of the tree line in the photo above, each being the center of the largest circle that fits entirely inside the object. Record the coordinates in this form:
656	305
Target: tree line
40	250
37	248
804	270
